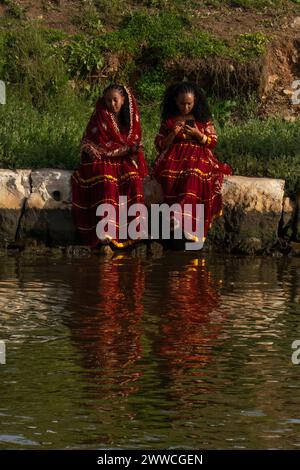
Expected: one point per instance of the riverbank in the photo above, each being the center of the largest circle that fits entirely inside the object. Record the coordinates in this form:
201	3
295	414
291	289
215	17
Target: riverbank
56	58
50	138
35	215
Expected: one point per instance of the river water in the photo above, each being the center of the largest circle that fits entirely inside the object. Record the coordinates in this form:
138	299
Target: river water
184	351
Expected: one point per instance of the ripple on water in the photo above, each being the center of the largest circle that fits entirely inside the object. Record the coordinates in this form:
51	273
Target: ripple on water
164	354
17	439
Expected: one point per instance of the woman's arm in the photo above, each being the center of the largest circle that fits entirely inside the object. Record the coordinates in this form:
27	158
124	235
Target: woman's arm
208	138
120	152
96	151
166	135
210	132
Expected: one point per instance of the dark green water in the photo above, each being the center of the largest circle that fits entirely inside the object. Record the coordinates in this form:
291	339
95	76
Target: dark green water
178	352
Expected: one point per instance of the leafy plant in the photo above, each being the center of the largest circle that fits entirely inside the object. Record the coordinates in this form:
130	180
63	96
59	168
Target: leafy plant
251	45
81	56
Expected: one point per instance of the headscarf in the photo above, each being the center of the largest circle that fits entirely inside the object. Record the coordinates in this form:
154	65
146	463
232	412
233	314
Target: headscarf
102	136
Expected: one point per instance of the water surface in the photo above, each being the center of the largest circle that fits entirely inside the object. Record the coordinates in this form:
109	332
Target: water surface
179	352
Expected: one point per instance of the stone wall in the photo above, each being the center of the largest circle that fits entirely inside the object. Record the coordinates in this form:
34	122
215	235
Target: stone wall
36	205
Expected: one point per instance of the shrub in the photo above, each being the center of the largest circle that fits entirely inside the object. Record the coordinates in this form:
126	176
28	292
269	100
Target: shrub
151	85
81	56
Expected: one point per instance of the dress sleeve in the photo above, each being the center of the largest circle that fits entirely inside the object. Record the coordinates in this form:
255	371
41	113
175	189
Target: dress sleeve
97	151
163	132
210	132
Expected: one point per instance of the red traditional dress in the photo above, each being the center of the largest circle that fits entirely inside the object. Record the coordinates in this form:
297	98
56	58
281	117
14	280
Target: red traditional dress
189	172
103	176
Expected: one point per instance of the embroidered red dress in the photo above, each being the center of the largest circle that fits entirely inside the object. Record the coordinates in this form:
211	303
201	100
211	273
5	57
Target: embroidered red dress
103	176
189	172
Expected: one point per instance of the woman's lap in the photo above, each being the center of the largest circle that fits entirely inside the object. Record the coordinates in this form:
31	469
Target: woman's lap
192	181
99	183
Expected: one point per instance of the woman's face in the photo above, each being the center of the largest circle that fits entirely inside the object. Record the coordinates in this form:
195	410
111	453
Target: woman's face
114	101
185	103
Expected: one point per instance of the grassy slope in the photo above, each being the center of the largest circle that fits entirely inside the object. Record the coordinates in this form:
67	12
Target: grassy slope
43	120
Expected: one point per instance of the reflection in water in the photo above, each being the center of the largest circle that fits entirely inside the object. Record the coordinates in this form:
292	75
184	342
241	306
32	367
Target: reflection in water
106	323
149	353
189	322
188	327
106	326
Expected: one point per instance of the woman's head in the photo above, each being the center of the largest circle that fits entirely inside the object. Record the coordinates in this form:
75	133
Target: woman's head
185	98
115	99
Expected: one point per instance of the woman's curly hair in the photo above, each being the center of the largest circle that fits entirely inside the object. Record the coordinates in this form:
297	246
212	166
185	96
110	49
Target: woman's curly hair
200	110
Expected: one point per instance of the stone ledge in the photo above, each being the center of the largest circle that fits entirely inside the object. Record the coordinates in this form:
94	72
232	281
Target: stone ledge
36	204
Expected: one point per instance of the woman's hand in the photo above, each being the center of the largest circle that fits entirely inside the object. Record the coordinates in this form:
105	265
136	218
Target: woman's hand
194	132
133	153
134	158
167	141
179	125
135	148
129	150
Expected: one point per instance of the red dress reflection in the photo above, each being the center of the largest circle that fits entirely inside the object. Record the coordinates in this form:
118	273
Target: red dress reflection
190	324
107	327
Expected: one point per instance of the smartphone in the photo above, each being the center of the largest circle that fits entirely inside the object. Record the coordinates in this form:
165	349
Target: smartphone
190	122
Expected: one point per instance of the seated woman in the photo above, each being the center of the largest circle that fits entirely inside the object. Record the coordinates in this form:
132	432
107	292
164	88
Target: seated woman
112	163
186	167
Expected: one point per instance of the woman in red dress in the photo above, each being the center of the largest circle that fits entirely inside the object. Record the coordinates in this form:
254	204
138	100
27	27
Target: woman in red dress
112	164
186	166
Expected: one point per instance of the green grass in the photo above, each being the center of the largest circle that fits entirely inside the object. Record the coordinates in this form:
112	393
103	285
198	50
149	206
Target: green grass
31	138
170	35
44	118
111	11
88	19
263	148
29	62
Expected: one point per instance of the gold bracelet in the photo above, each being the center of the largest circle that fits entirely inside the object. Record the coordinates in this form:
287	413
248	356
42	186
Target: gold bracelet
205	140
